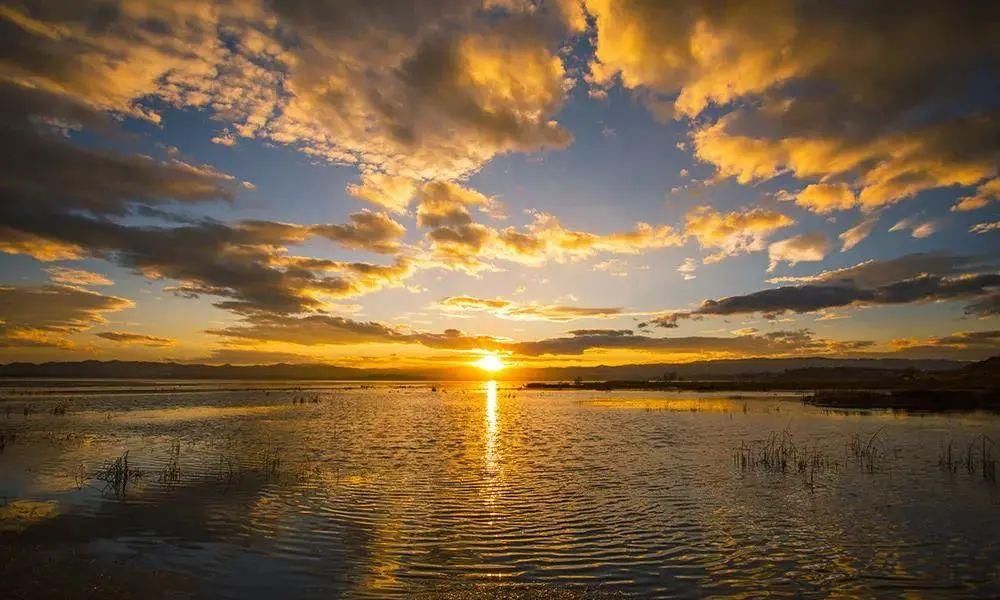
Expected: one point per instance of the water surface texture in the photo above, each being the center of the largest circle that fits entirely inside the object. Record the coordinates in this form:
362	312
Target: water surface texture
394	490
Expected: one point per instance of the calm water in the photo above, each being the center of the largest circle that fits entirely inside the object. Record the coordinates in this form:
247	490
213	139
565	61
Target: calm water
254	490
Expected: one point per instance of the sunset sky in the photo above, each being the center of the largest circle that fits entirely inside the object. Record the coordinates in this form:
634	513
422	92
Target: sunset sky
374	183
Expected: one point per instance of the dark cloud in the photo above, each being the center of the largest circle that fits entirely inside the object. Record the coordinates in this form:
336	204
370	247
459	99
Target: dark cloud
245	263
312	330
604	332
42	168
45	316
908	279
367	230
507	309
965	345
774	343
315	330
137	339
987	307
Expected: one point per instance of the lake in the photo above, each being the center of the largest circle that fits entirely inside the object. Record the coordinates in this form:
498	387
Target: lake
291	489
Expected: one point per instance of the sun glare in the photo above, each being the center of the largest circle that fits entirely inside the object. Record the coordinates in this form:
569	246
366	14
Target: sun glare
491	363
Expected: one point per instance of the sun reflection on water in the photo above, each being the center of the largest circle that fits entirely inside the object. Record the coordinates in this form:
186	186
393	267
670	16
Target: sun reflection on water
492	429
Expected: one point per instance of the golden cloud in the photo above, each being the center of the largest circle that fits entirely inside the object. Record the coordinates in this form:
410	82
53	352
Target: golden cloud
808	247
830	89
506	309
136	339
733	233
826	198
47	315
77	277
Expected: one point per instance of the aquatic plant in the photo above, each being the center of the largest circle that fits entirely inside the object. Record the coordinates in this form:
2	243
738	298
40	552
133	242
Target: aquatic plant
171	472
869	453
778	453
117	475
978	458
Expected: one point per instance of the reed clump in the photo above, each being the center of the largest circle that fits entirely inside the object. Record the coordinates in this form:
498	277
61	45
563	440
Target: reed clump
869	453
779	453
171	473
976	460
118	474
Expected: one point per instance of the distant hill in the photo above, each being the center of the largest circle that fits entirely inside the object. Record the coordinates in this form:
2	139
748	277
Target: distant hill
118	369
736	368
809	367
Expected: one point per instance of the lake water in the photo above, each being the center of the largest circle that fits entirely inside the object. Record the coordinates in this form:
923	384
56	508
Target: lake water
485	490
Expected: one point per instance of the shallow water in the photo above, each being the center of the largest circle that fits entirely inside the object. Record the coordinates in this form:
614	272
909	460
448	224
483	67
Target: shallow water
361	490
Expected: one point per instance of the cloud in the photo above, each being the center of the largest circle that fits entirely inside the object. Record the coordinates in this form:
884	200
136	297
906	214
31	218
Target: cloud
856	234
770	344
822	91
45	170
46	315
389	192
923	277
918	227
245	263
433	91
964	345
436	96
985	308
371	231
824	198
875	273
985	227
443	204
688	268
602	332
319	330
77	277
808	247
985	194
733	233
615	267
471	246
506	309
136	339
13	241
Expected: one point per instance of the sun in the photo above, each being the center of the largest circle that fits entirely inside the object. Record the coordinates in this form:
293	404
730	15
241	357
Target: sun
491	363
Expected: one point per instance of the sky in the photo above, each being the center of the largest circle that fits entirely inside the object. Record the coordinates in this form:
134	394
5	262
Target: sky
375	183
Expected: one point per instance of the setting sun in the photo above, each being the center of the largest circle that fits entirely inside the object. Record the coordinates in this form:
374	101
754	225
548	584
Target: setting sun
491	363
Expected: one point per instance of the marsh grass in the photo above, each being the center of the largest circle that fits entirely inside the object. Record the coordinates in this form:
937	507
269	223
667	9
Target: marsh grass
977	459
117	475
869	453
779	453
171	472
120	475
7	437
263	463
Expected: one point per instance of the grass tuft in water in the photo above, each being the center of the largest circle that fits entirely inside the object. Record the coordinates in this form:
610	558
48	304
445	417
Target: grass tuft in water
977	459
869	453
117	475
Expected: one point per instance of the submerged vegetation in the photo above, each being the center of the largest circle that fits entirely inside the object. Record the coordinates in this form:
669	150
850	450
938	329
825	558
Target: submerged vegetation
780	454
117	474
976	460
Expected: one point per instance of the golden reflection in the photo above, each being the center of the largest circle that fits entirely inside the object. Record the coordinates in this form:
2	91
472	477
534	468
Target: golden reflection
492	428
19	515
